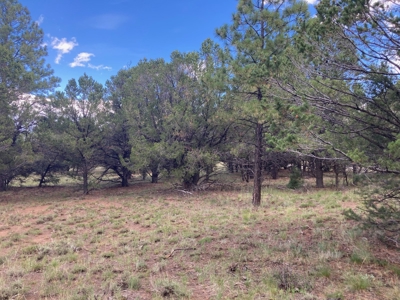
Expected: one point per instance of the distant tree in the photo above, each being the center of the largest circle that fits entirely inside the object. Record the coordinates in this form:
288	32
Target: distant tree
49	151
173	109
116	146
81	110
22	74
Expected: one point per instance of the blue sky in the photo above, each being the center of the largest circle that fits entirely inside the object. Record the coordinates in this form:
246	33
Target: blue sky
101	37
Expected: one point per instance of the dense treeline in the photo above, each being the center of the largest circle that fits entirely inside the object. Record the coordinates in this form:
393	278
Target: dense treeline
281	89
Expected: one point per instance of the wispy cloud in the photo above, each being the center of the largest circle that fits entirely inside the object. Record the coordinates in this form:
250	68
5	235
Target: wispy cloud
99	67
40	20
81	59
63	46
108	21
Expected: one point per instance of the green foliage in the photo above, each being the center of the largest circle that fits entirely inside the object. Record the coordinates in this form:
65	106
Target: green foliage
295	179
258	41
173	111
24	80
79	113
381	207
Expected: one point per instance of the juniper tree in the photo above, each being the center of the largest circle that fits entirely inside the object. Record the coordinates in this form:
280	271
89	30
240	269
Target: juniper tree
80	112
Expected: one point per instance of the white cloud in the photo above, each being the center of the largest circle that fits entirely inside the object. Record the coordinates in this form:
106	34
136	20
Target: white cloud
63	47
312	2
81	59
99	67
40	20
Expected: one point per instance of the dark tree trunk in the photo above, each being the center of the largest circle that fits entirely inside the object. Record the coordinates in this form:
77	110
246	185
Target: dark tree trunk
154	172
43	175
126	174
345	180
189	181
85	181
231	168
258	165
3	184
274	172
154	177
245	172
319	174
144	174
336	170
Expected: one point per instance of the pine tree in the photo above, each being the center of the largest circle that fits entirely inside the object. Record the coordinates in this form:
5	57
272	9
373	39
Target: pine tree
261	33
23	76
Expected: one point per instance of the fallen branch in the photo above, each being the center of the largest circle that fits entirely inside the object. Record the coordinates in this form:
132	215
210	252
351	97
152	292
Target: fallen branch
185	192
179	249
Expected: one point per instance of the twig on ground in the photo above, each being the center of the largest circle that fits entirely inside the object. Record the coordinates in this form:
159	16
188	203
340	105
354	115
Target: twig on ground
179	249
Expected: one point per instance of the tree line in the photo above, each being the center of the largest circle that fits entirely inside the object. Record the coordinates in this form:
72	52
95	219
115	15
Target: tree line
278	87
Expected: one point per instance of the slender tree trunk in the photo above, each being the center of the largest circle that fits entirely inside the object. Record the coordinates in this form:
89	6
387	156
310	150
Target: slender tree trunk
336	170
258	165
319	174
345	180
43	175
304	168
3	185
231	167
209	170
144	174
85	180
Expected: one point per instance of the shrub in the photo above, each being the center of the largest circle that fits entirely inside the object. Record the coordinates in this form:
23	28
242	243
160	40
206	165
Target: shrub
381	207
295	179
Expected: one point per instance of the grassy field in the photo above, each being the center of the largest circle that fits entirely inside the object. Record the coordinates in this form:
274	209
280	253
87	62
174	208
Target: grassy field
154	242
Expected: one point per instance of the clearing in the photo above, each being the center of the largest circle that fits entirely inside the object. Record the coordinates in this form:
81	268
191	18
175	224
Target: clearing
150	241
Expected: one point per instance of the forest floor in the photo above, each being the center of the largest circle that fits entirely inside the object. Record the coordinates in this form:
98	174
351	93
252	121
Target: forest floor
151	241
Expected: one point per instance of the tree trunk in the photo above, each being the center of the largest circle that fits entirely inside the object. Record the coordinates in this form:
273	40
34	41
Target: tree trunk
3	185
336	170
126	174
85	181
319	174
144	174
209	171
231	168
258	165
274	172
154	177
154	172
43	175
189	181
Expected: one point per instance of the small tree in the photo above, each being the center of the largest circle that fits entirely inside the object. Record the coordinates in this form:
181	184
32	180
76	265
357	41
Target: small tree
381	206
295	179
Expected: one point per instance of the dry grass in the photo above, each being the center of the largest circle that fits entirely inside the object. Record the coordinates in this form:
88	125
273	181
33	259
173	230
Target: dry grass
152	242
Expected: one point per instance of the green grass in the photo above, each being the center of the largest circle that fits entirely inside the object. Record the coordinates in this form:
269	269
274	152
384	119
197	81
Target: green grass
152	242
